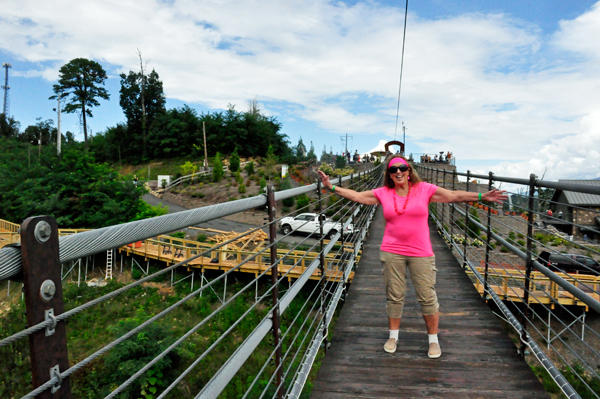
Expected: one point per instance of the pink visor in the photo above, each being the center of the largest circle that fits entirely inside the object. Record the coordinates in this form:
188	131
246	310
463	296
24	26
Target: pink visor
396	160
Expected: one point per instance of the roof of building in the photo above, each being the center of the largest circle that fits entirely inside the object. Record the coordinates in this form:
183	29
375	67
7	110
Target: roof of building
575	198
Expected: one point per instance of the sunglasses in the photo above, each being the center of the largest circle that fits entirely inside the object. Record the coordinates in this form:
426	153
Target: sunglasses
393	169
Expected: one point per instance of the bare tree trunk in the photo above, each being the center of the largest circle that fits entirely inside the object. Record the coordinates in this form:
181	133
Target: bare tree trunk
142	85
85	135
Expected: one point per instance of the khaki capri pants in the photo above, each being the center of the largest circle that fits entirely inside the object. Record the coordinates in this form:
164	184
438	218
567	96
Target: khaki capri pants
422	273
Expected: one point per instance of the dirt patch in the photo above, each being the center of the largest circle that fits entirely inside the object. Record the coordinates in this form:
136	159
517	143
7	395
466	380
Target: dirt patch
164	289
200	194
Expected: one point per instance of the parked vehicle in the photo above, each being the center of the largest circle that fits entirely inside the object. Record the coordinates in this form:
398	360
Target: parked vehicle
309	223
569	263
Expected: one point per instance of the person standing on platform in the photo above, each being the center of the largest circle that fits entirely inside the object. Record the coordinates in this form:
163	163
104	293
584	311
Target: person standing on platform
406	245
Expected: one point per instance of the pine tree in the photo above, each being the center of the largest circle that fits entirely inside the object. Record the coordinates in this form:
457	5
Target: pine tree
234	161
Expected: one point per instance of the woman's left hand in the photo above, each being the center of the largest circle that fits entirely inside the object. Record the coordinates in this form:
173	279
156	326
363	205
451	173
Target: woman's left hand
495	196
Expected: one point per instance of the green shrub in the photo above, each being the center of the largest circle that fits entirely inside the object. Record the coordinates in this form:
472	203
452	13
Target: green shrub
302	201
474	230
201	237
178	234
288	202
234	161
249	168
340	162
217	168
137	351
136	273
242	188
263	184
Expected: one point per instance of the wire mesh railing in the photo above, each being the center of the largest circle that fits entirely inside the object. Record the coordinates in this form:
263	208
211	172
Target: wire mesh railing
535	267
150	338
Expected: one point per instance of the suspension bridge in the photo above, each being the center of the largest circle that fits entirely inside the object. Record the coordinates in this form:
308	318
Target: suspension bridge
488	335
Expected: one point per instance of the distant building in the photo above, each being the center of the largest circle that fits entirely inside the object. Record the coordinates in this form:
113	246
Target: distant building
580	211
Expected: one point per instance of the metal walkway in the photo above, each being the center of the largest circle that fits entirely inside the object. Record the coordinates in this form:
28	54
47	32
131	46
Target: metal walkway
478	360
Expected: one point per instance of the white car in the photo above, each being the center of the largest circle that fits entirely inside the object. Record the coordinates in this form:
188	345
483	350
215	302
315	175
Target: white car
309	223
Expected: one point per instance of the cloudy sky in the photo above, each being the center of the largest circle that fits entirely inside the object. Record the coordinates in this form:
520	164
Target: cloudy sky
510	86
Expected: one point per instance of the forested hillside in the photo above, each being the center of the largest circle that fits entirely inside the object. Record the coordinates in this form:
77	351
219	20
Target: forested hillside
75	189
79	188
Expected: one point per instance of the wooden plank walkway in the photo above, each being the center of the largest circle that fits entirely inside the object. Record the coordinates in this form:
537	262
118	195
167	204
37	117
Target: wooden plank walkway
478	359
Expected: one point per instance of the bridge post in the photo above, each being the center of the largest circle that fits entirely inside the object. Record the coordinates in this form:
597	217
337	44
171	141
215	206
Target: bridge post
322	260
452	211
528	264
486	286
352	186
43	302
275	293
341	220
467	208
443	205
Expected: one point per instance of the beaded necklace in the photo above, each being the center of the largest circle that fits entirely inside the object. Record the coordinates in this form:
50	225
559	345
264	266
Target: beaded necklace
405	202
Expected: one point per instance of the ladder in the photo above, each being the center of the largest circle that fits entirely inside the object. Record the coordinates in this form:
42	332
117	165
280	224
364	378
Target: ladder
109	264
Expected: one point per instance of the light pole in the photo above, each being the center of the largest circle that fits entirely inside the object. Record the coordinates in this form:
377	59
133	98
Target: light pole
58	135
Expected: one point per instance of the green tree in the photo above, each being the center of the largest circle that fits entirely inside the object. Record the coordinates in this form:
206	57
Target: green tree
75	190
217	168
234	161
324	154
141	110
174	132
9	127
81	80
271	162
340	162
188	168
311	156
43	130
300	150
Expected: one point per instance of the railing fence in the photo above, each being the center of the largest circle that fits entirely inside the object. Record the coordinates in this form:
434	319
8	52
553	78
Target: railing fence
297	335
529	292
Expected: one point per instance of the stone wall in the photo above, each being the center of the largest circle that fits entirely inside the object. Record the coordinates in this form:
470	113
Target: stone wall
585	217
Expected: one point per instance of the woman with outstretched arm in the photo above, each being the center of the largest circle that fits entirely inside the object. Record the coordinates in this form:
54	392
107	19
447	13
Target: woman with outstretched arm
404	198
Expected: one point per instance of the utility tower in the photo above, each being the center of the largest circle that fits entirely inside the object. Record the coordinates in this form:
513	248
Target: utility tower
345	143
6	107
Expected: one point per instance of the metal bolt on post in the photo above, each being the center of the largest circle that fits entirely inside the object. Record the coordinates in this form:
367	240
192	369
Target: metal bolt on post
43	302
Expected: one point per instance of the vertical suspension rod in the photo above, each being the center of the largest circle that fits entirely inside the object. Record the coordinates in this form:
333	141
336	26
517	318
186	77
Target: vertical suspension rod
274	282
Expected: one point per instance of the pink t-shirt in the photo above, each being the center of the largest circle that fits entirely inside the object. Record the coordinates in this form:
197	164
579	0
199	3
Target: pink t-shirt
407	234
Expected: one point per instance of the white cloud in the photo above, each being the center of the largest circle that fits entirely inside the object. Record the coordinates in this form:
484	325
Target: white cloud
484	86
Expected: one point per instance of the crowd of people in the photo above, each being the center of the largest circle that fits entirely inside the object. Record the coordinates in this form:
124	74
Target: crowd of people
426	158
356	158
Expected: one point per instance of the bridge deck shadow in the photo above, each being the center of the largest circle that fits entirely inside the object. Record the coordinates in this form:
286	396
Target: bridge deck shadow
478	360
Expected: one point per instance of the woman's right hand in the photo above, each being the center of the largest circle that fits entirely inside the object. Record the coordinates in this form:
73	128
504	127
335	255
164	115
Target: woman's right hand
325	179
